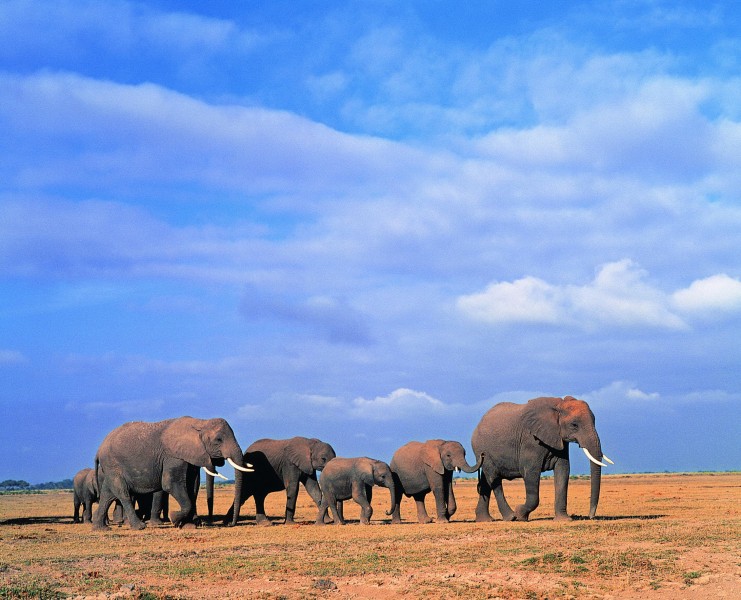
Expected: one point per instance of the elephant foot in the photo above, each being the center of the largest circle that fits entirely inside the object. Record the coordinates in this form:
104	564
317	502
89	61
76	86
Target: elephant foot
138	525
189	525
484	518
157	523
396	521
100	527
521	515
563	518
264	522
442	521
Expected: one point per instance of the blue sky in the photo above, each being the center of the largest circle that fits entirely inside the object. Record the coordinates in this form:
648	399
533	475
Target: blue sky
369	221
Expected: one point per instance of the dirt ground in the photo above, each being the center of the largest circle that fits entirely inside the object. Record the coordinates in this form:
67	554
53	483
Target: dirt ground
657	537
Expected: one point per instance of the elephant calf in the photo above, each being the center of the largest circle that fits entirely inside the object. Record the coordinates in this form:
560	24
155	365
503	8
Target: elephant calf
345	478
423	467
85	494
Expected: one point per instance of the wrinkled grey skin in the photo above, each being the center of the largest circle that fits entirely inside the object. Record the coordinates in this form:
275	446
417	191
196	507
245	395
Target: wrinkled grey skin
523	440
85	494
141	458
423	467
345	478
279	465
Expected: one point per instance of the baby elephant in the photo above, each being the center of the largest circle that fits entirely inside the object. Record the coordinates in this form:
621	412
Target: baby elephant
345	478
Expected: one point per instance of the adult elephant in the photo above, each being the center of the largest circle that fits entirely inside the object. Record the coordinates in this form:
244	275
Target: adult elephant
84	494
279	465
140	457
421	467
524	440
345	478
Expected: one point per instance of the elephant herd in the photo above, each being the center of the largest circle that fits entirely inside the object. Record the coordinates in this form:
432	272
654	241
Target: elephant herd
140	465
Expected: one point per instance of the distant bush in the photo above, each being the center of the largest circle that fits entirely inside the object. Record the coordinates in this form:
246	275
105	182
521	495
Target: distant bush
19	485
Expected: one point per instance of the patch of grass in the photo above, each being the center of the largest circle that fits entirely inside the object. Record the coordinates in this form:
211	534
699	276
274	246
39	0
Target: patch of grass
35	587
690	576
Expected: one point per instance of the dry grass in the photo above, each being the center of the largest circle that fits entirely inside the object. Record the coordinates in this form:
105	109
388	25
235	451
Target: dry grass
658	536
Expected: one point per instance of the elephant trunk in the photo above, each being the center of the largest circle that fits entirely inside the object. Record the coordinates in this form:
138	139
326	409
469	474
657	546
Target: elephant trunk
392	488
595	449
239	475
466	468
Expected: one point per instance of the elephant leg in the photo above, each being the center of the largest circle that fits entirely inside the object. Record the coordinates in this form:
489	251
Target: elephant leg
100	521
291	497
158	508
118	517
451	505
187	507
504	508
419	500
561	481
76	515
482	506
260	517
362	494
87	513
341	510
440	493
532	495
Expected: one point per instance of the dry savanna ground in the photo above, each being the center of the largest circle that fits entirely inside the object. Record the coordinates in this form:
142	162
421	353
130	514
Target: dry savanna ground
663	536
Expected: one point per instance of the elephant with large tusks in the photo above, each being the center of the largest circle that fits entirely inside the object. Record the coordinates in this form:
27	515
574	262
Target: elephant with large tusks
345	478
423	467
140	458
524	440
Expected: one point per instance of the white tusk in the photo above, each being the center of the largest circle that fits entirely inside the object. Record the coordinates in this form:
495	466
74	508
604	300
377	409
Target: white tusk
457	469
594	460
214	474
607	459
239	467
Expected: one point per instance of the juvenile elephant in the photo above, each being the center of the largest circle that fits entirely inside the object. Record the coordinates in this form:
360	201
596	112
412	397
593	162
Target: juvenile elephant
140	458
345	478
85	494
421	467
523	440
279	465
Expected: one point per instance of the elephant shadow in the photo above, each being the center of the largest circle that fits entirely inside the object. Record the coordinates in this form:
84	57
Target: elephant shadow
38	521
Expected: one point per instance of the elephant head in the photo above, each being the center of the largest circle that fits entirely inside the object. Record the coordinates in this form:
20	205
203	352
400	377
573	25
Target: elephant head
376	472
207	443
558	421
311	456
443	455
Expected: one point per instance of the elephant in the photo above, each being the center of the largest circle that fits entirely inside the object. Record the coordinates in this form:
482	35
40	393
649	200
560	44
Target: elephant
523	440
85	494
345	478
280	465
141	457
421	467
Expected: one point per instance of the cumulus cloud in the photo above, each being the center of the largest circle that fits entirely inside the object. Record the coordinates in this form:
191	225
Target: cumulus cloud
402	403
620	295
717	295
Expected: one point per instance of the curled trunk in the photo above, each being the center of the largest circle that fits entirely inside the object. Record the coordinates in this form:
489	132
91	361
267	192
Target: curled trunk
466	468
392	489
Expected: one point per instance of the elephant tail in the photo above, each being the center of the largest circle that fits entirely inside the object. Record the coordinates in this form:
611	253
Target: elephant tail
96	486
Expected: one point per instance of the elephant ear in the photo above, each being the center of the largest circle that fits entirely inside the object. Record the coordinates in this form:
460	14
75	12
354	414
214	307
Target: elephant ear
365	472
541	419
431	457
299	453
182	439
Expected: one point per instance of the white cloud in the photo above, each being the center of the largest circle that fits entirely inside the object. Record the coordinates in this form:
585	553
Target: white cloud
402	403
618	296
717	295
618	393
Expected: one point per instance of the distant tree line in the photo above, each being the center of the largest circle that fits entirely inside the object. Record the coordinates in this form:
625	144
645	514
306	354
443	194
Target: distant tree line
11	485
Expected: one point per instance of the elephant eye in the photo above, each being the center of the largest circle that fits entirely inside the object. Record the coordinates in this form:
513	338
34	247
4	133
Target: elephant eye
574	425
